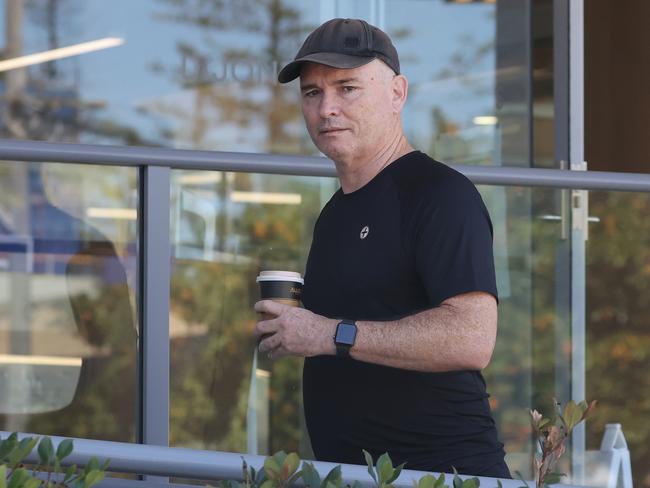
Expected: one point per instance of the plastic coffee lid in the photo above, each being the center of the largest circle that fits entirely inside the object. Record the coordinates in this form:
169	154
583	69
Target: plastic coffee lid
280	276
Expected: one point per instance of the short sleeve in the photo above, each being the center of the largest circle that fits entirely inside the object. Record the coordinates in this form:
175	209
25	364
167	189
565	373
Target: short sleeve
453	244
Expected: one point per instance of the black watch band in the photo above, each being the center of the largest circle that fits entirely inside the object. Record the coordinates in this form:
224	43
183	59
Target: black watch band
345	336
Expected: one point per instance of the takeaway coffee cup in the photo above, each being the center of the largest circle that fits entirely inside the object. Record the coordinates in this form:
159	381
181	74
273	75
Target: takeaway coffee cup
280	286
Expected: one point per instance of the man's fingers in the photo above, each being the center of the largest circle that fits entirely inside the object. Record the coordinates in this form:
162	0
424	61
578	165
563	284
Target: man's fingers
277	353
265	327
269	306
268	343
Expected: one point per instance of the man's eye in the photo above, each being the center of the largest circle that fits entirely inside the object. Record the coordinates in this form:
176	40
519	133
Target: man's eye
349	89
310	93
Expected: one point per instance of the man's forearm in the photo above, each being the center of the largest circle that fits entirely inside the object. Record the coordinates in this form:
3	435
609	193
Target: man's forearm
445	338
457	335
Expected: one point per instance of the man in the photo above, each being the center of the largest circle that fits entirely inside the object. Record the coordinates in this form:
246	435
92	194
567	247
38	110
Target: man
400	296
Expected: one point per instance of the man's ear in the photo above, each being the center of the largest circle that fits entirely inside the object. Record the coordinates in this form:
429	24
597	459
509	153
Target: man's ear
399	89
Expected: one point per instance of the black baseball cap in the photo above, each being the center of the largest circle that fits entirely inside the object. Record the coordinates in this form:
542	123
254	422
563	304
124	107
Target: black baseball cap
343	43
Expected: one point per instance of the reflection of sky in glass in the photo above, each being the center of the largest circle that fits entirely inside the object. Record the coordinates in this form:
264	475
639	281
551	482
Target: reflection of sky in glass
123	79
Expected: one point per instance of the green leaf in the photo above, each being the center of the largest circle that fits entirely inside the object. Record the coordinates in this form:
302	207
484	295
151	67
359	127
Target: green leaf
553	478
94	477
427	481
310	476
471	483
105	464
93	465
334	477
18	478
499	484
290	465
23	449
32	483
3	476
268	484
6	447
457	482
69	473
384	468
46	451
280	456
64	449
356	484
396	473
440	482
370	464
572	414
272	468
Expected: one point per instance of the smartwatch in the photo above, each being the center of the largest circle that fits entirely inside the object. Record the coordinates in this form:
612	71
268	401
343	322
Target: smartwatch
346	333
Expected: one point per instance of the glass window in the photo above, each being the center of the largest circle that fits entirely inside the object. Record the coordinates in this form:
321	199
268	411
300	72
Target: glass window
68	335
197	74
618	321
226	228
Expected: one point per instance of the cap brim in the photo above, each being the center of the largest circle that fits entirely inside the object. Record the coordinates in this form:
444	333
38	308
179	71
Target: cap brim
336	60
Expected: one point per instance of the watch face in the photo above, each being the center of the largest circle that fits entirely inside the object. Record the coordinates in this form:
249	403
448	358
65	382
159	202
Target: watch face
346	333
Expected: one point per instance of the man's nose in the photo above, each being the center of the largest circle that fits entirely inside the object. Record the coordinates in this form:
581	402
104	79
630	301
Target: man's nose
329	105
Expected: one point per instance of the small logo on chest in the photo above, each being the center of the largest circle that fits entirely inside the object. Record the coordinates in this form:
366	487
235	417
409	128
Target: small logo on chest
364	232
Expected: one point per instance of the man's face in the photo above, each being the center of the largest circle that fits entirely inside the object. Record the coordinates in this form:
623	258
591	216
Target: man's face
350	113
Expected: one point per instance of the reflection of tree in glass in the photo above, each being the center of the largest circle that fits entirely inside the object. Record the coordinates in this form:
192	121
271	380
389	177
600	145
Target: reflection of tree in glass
463	63
50	17
44	101
237	91
618	342
618	322
210	374
447	142
211	369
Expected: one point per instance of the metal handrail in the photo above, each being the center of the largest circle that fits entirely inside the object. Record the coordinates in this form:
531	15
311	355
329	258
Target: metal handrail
38	151
211	465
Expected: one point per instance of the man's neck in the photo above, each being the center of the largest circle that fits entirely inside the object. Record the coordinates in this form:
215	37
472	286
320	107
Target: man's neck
354	175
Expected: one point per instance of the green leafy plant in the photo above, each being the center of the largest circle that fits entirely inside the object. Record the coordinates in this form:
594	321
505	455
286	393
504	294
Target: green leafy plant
48	473
281	471
430	481
333	479
384	473
552	435
468	483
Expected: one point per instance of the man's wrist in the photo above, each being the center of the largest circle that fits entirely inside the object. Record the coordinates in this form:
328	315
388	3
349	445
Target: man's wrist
330	330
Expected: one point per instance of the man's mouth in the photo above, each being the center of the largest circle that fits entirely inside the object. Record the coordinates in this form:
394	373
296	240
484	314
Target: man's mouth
331	130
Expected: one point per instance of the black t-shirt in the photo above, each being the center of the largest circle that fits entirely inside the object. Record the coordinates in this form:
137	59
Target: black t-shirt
416	234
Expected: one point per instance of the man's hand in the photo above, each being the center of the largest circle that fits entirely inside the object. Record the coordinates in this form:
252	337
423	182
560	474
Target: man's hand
294	331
